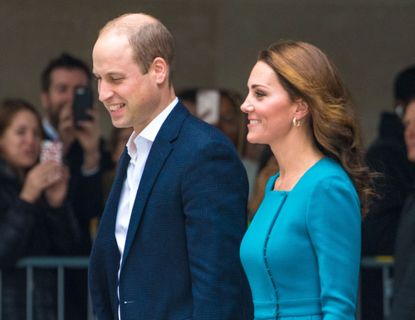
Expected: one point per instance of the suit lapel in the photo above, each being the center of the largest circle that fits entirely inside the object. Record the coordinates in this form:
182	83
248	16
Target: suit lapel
114	197
106	232
159	153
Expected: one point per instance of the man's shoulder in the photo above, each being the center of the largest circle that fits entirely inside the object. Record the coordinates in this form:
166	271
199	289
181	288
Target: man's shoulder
193	134
202	131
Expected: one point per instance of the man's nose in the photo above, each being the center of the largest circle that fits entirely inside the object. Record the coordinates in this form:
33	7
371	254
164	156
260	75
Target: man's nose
104	91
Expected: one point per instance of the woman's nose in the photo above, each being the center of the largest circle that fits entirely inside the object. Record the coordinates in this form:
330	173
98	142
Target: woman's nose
247	107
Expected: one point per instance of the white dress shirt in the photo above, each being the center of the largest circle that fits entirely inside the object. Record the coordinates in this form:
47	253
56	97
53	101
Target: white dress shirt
139	146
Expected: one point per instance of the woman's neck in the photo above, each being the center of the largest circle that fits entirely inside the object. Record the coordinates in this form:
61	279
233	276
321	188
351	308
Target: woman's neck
294	159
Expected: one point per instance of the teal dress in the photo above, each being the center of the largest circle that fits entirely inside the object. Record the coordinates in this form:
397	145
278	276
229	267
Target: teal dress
301	252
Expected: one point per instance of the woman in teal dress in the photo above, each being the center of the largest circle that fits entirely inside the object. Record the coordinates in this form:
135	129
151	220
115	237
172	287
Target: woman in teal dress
301	252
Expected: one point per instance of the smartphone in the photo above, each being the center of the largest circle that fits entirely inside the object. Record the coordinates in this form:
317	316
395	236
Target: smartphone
83	101
207	105
51	150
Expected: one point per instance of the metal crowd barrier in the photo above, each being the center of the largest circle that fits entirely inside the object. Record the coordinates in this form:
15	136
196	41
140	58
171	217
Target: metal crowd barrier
385	263
60	264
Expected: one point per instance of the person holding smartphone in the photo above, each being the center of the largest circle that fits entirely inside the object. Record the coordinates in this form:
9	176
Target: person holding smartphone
35	218
65	88
66	83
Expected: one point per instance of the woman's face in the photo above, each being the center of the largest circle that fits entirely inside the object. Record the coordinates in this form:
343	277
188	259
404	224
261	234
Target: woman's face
20	142
409	123
269	108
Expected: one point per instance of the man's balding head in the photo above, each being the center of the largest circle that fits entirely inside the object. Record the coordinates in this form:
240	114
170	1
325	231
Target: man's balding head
148	38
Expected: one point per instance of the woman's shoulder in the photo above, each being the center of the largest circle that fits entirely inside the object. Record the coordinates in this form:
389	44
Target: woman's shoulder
326	175
327	169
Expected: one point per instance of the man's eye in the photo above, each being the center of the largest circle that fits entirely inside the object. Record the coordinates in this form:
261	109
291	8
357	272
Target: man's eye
61	89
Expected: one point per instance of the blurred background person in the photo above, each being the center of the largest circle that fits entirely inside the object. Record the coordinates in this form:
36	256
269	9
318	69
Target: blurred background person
227	117
83	147
386	155
35	218
403	305
301	252
84	153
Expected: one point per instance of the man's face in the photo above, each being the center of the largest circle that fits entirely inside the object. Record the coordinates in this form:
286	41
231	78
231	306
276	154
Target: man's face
409	124
63	82
131	98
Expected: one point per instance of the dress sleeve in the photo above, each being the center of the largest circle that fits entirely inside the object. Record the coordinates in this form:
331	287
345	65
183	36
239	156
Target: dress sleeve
334	226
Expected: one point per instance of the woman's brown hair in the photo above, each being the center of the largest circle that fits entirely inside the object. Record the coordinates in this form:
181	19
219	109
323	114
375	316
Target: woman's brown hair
10	107
307	73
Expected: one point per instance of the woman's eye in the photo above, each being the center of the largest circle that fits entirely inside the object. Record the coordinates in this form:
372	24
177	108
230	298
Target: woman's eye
259	94
21	131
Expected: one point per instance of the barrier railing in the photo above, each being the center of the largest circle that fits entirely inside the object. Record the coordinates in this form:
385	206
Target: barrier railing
385	263
58	263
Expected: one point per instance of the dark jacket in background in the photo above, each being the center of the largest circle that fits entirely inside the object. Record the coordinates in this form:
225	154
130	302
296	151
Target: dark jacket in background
30	230
403	307
386	155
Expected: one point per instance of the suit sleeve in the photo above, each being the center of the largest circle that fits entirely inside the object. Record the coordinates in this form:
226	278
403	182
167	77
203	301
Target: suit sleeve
215	191
334	225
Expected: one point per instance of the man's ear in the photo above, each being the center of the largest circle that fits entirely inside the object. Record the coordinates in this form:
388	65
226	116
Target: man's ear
160	69
302	109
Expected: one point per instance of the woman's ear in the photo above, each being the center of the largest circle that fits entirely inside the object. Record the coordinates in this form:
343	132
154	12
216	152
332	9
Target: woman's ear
302	109
160	70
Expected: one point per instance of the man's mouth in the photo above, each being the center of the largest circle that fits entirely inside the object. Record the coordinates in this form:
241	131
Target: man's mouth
115	107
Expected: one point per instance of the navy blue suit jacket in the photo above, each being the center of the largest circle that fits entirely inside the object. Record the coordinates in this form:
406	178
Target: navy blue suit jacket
181	256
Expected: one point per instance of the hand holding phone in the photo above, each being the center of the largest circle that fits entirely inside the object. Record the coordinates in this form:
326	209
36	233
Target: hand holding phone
83	101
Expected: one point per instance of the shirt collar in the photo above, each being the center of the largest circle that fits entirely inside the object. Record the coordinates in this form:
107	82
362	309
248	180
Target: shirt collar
150	132
50	131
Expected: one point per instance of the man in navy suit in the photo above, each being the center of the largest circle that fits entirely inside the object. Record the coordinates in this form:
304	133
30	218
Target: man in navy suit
168	241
